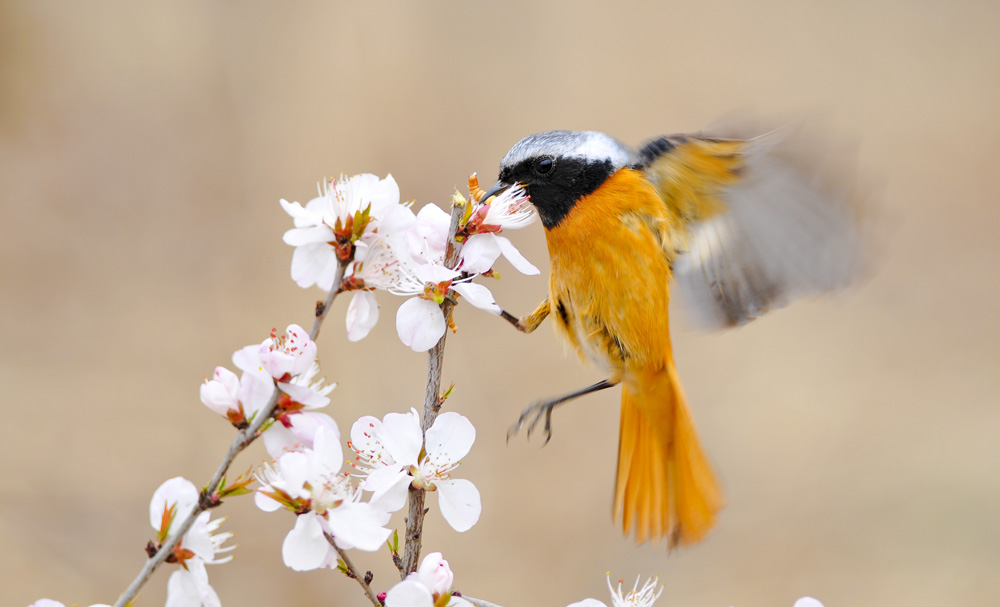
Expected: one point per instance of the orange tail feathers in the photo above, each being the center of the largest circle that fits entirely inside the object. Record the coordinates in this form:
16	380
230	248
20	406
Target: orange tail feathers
665	486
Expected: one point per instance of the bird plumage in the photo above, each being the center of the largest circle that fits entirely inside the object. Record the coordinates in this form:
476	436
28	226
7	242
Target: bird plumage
740	228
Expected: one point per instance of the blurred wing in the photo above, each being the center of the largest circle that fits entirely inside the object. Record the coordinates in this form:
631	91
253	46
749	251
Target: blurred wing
756	222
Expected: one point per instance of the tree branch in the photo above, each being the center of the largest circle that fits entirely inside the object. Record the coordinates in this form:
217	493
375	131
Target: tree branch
432	405
240	442
352	572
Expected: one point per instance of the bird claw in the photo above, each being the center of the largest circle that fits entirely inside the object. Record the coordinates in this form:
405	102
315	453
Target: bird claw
535	412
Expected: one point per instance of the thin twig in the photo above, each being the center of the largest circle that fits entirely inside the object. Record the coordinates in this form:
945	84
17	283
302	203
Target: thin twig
352	572
240	442
432	404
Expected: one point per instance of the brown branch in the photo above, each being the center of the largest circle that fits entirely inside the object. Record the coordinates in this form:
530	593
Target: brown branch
352	572
432	405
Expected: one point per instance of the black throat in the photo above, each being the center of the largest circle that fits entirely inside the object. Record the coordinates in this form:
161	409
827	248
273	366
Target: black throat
555	194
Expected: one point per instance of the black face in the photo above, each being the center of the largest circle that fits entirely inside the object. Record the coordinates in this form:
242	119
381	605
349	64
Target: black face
555	184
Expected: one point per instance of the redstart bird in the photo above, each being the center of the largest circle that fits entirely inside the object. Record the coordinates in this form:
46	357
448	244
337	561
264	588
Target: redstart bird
740	225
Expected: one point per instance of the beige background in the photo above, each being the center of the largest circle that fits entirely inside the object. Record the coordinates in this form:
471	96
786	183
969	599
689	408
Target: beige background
144	147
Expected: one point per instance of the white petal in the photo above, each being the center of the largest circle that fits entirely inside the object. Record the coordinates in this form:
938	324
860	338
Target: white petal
177	490
400	434
304	395
434	274
305	548
365	437
457	601
306	424
807	601
46	603
515	258
182	591
314	264
588	603
302	217
279	440
460	503
450	437
435	574
264	502
326	446
298	237
479	253
477	295
409	593
247	358
390	488
358	524
362	314
420	324
256	390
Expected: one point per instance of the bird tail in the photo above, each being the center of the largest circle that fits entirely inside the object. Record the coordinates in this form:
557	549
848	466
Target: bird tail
665	487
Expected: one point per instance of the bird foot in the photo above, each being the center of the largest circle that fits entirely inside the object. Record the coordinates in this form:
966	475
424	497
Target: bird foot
535	412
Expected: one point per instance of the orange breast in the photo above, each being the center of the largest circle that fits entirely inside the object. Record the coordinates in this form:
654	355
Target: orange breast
609	283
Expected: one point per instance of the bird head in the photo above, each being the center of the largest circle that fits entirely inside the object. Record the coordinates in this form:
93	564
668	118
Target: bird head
557	168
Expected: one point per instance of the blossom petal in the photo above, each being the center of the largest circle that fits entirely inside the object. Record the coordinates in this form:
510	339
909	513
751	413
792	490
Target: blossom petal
807	601
450	437
515	258
326	446
409	593
298	237
314	264
389	486
256	390
265	503
460	503
434	274
362	314
479	253
588	603
177	490
305	547
400	434
420	324
435	573
477	295
359	525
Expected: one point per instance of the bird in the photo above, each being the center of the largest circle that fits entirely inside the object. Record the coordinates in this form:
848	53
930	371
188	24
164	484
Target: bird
739	226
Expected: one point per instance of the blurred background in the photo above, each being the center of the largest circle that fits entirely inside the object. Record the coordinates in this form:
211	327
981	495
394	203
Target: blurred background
143	150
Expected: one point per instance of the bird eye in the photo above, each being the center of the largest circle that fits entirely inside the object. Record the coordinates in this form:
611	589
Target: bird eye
543	166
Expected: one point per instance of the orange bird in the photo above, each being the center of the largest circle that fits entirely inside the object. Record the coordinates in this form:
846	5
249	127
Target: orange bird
740	226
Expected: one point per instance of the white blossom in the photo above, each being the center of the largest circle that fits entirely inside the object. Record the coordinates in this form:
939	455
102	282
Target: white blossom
309	482
174	501
428	586
393	455
637	597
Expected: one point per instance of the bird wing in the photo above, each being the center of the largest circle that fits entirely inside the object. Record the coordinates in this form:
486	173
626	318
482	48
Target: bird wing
754	222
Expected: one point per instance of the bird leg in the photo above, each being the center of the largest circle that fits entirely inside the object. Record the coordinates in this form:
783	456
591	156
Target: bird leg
530	322
545	407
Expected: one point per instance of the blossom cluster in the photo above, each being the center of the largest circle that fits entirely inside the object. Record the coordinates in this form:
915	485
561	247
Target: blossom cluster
282	369
188	586
359	222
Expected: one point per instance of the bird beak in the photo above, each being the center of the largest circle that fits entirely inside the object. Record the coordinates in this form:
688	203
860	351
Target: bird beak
497	188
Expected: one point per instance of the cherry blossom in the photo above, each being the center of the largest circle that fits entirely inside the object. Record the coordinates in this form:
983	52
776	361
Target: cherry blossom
237	399
279	356
309	482
637	597
428	586
807	601
508	211
175	500
393	455
327	228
